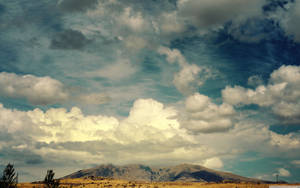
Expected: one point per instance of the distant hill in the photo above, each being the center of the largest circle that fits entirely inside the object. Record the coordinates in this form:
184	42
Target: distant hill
183	172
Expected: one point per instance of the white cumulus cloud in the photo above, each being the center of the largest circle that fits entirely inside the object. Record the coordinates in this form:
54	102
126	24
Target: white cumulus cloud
187	80
190	76
281	94
288	141
148	121
150	133
133	20
283	172
204	116
172	55
213	162
37	90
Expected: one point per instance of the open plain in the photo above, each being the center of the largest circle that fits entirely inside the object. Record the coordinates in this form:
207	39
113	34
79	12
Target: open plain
106	182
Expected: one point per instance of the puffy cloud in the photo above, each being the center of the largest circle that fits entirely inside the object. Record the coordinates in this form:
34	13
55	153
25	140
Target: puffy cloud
17	122
37	90
286	13
54	125
150	112
172	56
174	20
133	20
283	172
94	137
190	76
288	141
213	162
208	13
117	20
150	119
127	25
146	18
151	133
62	126
240	95
204	116
282	94
286	73
125	17
186	80
245	136
46	90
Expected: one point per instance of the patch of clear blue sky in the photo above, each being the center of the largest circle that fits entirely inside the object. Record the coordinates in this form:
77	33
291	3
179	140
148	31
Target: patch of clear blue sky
251	164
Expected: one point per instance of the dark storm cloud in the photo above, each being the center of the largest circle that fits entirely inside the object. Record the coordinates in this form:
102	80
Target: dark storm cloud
260	44
21	156
274	5
69	40
77	5
208	13
254	30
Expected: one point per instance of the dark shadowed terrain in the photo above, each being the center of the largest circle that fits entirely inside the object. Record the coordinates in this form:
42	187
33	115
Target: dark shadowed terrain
183	172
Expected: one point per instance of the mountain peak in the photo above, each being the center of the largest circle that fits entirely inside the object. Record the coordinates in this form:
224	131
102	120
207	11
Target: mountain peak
182	172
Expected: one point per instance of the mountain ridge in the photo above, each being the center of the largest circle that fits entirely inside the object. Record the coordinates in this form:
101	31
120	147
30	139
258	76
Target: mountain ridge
183	172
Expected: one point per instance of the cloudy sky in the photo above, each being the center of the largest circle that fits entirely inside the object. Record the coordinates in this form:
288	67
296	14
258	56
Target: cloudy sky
209	82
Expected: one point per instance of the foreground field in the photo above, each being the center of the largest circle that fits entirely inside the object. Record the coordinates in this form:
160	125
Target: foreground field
88	183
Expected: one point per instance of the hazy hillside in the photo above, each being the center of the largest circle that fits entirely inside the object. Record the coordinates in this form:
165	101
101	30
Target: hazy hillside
184	172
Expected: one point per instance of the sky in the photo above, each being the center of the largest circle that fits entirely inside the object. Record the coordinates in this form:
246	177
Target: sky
208	82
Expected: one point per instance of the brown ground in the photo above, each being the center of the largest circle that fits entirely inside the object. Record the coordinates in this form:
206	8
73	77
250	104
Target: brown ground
109	183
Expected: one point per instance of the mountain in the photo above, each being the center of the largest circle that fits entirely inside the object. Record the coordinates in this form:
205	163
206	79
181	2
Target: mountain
183	172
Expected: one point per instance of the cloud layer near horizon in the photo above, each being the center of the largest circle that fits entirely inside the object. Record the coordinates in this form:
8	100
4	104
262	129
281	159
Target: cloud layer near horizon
150	133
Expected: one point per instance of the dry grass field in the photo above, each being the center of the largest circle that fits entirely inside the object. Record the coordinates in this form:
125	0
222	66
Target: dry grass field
110	183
